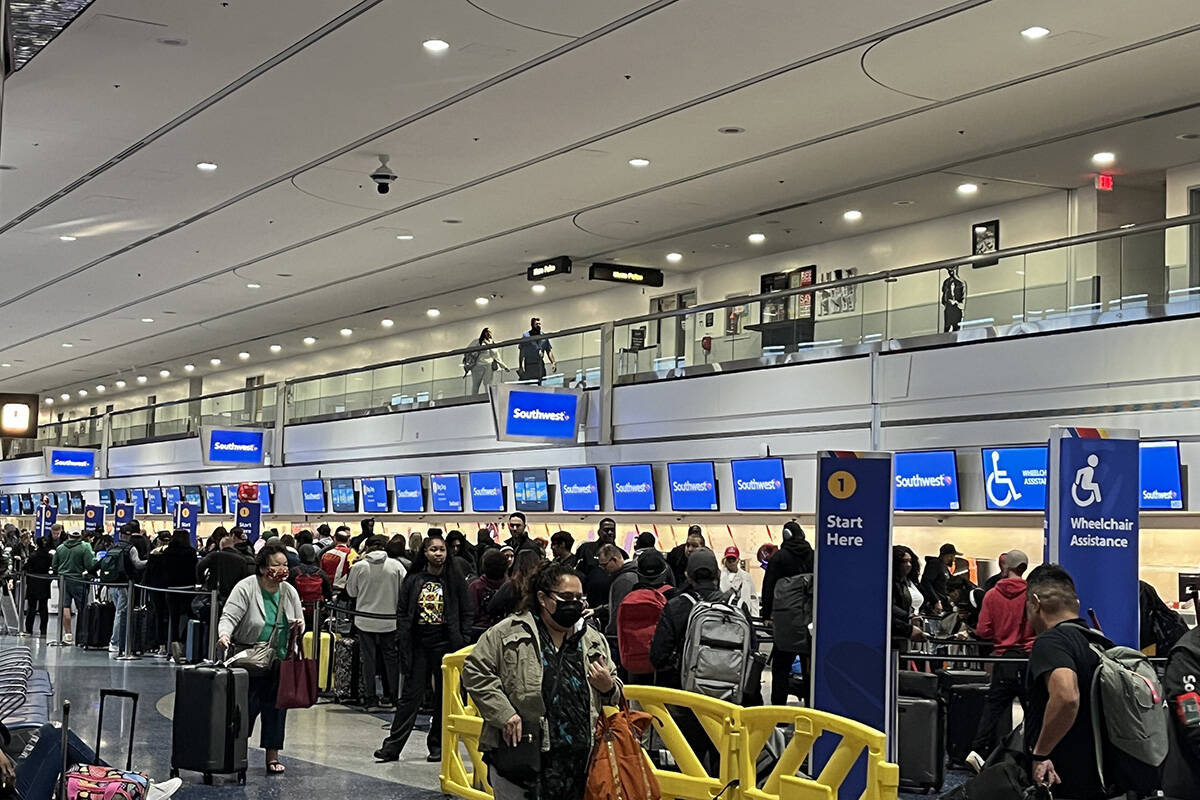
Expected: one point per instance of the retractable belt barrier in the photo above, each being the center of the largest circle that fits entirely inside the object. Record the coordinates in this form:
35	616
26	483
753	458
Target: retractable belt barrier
320	607
738	734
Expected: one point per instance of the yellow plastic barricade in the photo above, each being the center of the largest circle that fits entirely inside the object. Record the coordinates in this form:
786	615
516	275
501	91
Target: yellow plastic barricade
739	735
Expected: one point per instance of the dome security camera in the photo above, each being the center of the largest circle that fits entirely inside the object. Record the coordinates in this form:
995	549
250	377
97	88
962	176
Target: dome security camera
383	176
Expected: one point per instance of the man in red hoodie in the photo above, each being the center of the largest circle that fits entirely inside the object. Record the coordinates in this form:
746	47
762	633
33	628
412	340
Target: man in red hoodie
1003	622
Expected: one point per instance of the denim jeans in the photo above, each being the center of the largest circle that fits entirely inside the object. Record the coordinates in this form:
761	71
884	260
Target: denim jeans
38	770
120	598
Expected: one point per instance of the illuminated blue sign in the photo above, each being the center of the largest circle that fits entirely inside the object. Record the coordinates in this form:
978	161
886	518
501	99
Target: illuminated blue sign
447	493
374	495
235	446
1014	478
1161	486
174	498
542	415
70	463
693	486
138	498
313	494
410	495
926	481
487	492
759	485
154	501
632	487
580	488
214	500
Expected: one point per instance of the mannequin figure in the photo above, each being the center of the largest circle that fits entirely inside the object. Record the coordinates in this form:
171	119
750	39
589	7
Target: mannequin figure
954	298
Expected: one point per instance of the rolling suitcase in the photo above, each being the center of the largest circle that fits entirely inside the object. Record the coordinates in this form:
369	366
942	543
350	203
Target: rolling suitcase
143	630
97	625
964	708
88	781
196	644
347	671
211	721
325	667
922	743
948	678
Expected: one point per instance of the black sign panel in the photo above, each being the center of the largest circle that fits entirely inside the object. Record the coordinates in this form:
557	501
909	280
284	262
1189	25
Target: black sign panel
617	273
544	269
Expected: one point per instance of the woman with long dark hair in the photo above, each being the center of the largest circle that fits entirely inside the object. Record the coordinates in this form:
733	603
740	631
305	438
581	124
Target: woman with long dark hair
434	618
542	674
513	591
906	598
480	362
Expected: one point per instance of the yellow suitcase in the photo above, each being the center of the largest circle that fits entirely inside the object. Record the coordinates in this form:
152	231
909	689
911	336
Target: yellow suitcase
325	668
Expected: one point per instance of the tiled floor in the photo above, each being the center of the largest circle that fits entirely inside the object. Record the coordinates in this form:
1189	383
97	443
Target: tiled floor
328	750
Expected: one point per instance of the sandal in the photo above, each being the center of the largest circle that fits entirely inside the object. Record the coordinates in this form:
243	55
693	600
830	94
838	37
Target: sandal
275	768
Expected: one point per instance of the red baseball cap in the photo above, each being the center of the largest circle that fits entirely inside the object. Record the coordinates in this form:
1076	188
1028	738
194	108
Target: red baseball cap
732	552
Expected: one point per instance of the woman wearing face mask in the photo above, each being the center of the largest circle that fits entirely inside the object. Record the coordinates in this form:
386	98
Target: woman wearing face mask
260	607
434	618
543	673
481	362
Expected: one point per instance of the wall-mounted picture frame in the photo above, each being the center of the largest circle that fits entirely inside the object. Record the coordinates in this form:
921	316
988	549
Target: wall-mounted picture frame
985	239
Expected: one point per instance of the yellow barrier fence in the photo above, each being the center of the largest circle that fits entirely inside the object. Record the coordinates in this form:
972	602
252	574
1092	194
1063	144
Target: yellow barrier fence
738	736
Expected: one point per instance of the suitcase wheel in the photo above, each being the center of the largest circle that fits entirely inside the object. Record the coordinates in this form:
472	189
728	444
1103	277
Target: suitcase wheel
242	777
208	779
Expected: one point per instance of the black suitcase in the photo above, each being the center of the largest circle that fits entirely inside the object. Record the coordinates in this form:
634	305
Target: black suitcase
196	644
917	684
144	640
96	628
921	741
959	677
211	721
964	708
347	671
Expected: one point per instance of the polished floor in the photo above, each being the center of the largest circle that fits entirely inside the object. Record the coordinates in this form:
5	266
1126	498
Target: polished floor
327	753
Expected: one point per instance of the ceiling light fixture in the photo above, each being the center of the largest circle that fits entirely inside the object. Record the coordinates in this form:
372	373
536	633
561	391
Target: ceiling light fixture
433	312
276	348
1035	32
1128	225
538	288
309	340
6	365
189	367
405	237
49	401
1103	159
164	373
756	238
639	162
147	319
482	301
82	392
387	323
904	202
1188	137
253	285
100	388
435	45
65	396
674	258
67	344
346	331
142	379
120	384
731	129
244	356
853	215
206	166
65	238
216	362
967	188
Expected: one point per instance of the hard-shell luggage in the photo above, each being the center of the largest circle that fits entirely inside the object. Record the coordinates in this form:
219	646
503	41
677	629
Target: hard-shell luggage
922	743
964	708
196	645
96	627
95	782
917	684
211	721
347	671
325	667
948	678
144	638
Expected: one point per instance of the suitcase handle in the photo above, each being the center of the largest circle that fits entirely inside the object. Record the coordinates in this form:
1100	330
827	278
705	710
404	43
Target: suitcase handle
128	695
66	727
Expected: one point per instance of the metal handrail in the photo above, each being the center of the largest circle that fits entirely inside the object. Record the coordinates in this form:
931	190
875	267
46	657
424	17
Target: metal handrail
197	399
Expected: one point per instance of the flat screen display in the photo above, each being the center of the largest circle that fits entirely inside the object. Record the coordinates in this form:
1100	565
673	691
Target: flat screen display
26	504
214	499
579	488
693	486
14	503
191	494
926	481
106	500
343	498
154	501
264	498
138	498
632	487
1161	483
174	498
64	504
410	494
52	497
76	502
487	492
446	491
5	505
759	484
1014	478
120	496
531	489
313	493
231	498
375	496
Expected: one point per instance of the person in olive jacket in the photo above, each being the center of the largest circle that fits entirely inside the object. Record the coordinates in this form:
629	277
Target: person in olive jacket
433	619
543	673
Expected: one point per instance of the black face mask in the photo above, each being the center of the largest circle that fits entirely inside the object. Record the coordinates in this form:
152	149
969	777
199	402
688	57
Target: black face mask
567	612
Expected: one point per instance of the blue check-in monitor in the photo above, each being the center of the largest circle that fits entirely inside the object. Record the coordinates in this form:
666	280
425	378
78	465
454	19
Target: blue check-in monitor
531	490
312	493
632	487
264	498
926	481
1162	482
214	499
106	500
579	488
693	486
192	494
138	497
343	498
154	501
76	502
375	496
759	484
487	492
174	498
446	491
1014	478
410	494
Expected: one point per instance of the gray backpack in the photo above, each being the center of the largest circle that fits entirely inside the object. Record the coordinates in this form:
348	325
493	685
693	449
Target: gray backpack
716	655
792	613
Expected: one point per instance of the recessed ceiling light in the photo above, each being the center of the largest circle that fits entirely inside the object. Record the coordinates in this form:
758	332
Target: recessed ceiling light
65	238
309	340
244	356
1128	225
120	384
65	396
756	238
639	162
482	301
6	365
147	319
216	362
432	312
82	393
853	215
206	166
142	379
164	373
1103	159
276	348
346	331
1035	32
674	258
904	202
189	367
253	285
731	129
100	388
967	188
49	401
404	237
67	344
452	221
435	45
1188	137
538	288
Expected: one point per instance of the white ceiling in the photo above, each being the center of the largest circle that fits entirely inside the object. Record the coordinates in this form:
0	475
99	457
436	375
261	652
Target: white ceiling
522	130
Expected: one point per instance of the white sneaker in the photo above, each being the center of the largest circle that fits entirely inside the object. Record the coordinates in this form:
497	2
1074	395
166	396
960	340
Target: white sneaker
975	761
114	649
161	791
68	639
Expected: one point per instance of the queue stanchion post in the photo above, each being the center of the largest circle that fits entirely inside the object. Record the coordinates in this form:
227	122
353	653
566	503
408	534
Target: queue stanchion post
129	655
19	600
214	615
62	611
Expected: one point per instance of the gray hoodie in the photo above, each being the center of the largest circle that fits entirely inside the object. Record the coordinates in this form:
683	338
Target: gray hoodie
374	582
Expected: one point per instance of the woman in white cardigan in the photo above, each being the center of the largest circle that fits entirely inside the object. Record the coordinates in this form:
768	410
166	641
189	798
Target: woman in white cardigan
260	607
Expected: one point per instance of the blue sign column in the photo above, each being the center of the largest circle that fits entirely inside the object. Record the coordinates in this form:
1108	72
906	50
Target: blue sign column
249	519
852	664
1092	519
44	519
187	515
124	513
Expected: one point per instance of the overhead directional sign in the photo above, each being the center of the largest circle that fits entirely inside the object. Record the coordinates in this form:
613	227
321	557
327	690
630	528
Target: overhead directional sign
621	273
538	270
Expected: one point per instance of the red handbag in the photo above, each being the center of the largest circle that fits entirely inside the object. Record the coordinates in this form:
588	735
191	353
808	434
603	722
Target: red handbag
297	678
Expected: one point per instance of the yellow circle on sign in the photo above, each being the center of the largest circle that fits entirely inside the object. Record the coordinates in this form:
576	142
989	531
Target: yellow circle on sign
245	512
842	484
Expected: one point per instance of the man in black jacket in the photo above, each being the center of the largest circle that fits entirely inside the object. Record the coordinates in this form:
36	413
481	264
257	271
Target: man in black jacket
1181	772
520	540
795	557
678	557
222	569
935	579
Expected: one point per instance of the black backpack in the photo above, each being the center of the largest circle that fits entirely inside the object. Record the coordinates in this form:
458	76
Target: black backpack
470	360
1161	626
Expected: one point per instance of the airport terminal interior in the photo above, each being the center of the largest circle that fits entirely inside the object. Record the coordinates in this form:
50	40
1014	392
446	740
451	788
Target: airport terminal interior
873	273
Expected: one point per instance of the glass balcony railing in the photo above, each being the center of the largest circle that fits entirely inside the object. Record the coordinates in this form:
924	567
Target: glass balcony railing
1135	272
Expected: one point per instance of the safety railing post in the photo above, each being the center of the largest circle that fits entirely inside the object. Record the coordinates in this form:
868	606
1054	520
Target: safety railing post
19	601
129	655
214	614
62	607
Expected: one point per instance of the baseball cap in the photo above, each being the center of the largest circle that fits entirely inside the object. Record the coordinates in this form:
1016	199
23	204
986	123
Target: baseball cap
651	564
947	549
1016	558
732	552
75	535
702	561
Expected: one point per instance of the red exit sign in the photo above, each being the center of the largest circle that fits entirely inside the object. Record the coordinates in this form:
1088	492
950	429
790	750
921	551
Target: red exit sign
1104	183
